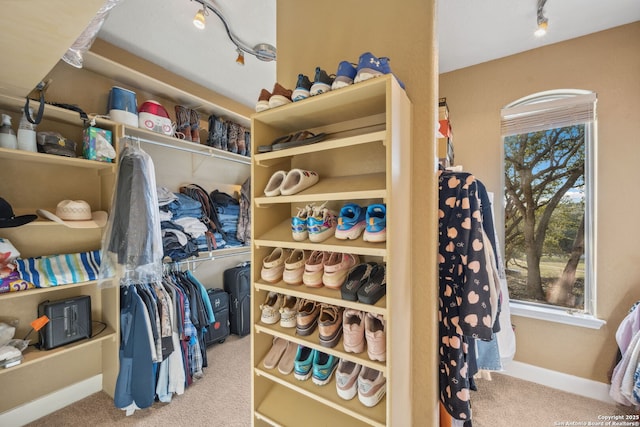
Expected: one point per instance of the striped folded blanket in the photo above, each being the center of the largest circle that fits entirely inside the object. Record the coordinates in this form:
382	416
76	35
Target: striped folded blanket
55	270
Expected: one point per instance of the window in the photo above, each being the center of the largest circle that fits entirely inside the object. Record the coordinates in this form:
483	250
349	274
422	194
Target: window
549	140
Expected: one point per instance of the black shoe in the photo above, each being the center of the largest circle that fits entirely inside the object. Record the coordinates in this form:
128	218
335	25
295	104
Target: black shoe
357	277
376	286
321	83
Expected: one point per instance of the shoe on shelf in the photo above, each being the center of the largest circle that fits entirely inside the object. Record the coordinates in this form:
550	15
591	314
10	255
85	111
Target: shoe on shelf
307	317
314	269
263	100
323	367
370	66
285	366
372	386
232	137
273	356
279	96
194	125
351	222
337	267
273	265
303	363
345	75
321	224
275	182
288	311
299	223
375	332
376	286
376	229
357	277
353	330
330	325
347	379
183	122
321	83
271	308
294	267
303	88
298	180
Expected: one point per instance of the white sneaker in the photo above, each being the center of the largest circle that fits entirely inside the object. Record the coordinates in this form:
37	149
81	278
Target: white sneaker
288	312
347	379
372	386
271	308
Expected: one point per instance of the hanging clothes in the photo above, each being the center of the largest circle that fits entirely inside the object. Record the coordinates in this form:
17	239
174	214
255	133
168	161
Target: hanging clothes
464	295
132	243
625	380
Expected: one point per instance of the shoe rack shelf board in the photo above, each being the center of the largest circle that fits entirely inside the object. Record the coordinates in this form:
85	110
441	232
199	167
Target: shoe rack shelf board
365	159
31	181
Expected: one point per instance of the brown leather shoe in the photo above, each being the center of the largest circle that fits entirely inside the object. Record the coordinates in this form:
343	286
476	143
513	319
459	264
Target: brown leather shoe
280	96
307	317
183	124
263	100
330	325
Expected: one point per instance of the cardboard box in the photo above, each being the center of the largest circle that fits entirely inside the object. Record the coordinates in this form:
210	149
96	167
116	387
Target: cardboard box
90	140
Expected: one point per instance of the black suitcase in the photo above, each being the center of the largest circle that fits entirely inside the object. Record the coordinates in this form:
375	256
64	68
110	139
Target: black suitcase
218	331
237	282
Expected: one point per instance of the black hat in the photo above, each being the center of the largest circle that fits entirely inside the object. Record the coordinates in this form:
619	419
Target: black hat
8	219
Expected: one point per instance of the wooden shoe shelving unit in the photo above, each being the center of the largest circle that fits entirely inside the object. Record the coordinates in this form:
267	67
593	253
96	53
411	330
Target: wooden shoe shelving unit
365	160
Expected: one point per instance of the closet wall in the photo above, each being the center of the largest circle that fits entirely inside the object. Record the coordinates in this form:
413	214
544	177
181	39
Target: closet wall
406	35
608	64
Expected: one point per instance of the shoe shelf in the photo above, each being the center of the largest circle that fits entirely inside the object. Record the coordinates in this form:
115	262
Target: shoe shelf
322	295
50	159
287	404
326	395
364	160
280	236
273	157
313	341
370	186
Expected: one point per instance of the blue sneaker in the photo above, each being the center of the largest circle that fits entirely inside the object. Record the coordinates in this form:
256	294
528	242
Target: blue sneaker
345	75
303	364
299	223
351	222
303	86
323	367
376	229
321	83
369	67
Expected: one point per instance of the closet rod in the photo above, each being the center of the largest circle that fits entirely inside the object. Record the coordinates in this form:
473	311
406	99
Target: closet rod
211	257
207	153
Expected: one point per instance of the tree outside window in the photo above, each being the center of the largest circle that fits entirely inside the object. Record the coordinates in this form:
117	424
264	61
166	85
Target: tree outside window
548	141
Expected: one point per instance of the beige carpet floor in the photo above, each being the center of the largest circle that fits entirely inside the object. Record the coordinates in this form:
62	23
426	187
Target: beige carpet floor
222	399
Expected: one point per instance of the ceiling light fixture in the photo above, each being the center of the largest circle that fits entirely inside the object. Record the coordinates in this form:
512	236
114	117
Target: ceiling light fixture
543	22
199	20
262	51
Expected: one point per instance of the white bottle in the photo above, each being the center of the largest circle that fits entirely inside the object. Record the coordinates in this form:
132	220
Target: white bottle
7	136
27	134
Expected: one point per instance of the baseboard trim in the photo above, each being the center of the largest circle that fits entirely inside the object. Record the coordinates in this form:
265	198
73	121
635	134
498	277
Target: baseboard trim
50	403
559	380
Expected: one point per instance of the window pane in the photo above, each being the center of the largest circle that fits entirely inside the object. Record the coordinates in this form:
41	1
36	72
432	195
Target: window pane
545	216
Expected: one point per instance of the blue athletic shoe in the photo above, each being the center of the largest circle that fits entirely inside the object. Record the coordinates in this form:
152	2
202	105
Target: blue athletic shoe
303	86
370	66
303	364
321	83
376	229
345	75
323	366
351	222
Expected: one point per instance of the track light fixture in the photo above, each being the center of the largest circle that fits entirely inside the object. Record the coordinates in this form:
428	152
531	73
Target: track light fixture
262	51
543	22
199	19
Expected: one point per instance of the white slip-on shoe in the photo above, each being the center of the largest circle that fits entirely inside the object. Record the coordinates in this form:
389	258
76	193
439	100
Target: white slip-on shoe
294	267
274	184
298	180
273	265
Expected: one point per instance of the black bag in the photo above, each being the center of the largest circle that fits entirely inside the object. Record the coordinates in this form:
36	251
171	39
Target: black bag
237	282
218	331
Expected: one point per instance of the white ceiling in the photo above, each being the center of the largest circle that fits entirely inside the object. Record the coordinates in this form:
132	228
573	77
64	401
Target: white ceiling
469	32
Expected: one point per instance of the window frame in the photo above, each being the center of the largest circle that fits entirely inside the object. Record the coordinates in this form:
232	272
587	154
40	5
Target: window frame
526	106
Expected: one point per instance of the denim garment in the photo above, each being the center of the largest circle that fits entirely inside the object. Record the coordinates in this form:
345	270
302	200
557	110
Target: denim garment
488	355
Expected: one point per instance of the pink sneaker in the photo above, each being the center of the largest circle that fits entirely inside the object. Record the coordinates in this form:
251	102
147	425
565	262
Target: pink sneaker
375	333
353	331
313	269
336	269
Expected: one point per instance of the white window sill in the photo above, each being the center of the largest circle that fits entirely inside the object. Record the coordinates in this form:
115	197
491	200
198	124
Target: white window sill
558	315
